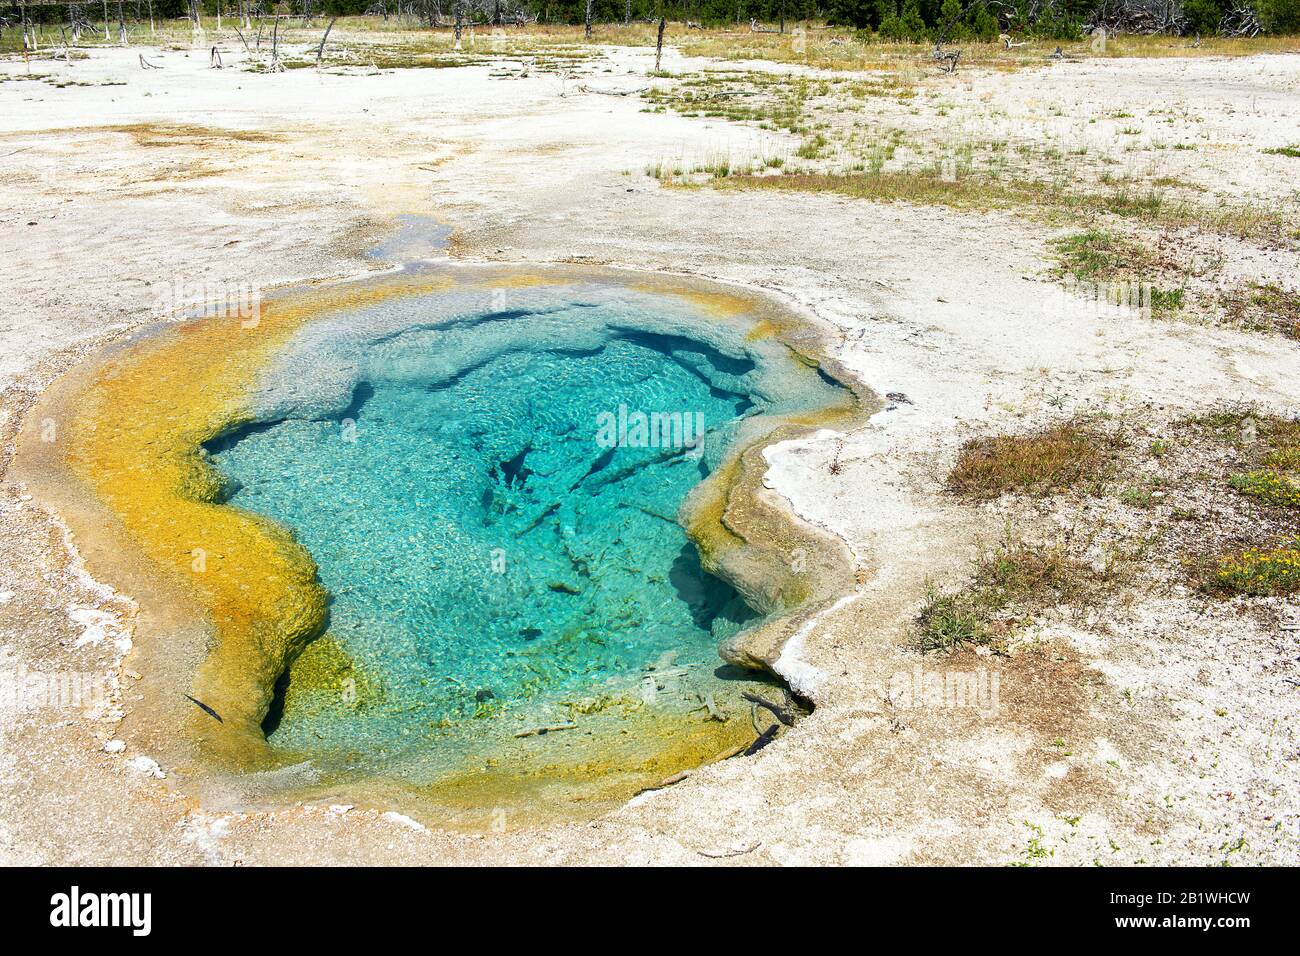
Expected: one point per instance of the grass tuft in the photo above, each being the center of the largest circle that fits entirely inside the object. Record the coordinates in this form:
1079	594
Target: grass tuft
1261	573
1264	308
1097	254
1039	463
1012	582
1268	487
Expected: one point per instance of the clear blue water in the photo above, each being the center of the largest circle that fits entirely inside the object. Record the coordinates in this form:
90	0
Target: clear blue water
479	536
495	541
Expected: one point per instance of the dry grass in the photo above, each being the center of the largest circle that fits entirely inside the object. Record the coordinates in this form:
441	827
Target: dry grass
1041	463
810	44
1046	199
925	188
1263	307
1012	583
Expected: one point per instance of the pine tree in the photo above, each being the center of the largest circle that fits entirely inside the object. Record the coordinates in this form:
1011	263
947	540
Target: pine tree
910	23
982	24
951	21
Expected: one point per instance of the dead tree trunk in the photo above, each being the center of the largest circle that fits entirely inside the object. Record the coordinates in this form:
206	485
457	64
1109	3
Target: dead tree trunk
320	50
276	65
121	25
22	17
106	38
459	10
588	20
659	43
627	14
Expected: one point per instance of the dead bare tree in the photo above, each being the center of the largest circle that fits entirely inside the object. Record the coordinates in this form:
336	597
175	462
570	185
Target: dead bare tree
659	43
76	22
1241	20
276	66
587	21
320	50
1138	16
946	58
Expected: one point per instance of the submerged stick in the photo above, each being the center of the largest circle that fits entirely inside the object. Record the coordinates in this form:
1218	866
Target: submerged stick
205	708
779	712
540	731
665	782
763	739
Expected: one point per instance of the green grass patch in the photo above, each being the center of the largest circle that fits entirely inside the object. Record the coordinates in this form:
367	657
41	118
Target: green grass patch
1098	254
1167	301
1261	572
1268	487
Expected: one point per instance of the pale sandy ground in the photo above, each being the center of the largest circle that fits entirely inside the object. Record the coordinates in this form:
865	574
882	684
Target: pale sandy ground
1162	730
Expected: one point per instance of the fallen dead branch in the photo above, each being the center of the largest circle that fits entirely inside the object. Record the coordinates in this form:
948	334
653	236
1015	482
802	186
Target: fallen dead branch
583	88
724	854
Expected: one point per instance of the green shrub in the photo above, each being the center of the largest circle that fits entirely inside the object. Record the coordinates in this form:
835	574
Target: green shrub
1279	16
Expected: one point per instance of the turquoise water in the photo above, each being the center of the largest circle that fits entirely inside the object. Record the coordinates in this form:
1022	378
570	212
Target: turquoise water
497	534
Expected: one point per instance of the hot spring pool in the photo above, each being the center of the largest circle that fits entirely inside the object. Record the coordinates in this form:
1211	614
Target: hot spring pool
444	511
490	492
